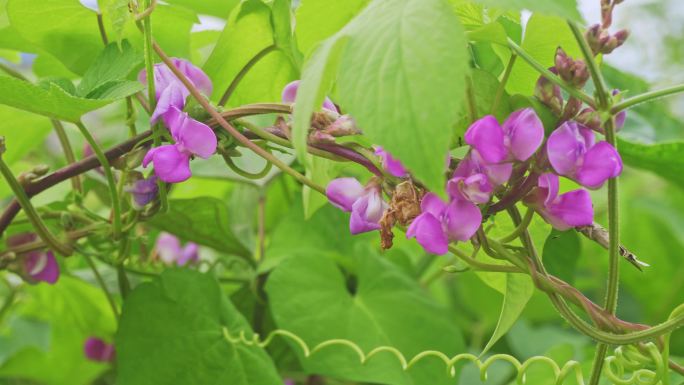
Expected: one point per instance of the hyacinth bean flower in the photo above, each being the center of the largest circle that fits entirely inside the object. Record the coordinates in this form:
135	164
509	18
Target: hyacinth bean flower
172	161
564	211
440	223
95	349
38	266
169	91
171	252
475	179
143	191
519	137
290	94
573	152
365	203
391	164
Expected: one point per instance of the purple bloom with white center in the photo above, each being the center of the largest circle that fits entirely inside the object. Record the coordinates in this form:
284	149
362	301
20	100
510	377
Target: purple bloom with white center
39	266
172	161
365	203
143	191
391	164
573	152
565	211
169	91
171	252
519	137
96	349
441	223
290	94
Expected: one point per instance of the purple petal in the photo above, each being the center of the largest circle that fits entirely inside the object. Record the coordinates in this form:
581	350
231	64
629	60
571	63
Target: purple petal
462	219
390	163
42	266
289	95
329	105
429	233
525	133
343	192
97	350
601	162
190	253
620	120
171	97
143	191
433	205
565	148
571	209
168	248
550	184
196	137
170	165
486	136
476	188
367	212
195	75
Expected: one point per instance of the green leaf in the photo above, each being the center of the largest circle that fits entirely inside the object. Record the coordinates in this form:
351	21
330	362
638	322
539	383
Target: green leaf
202	220
74	311
64	28
566	9
21	334
391	45
485	91
118	14
114	63
374	305
54	102
543	35
218	8
562	251
171	332
519	290
311	28
664	159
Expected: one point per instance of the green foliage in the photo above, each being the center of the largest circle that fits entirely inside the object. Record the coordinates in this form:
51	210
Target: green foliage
371	303
203	220
118	14
113	65
171	332
311	28
562	8
562	251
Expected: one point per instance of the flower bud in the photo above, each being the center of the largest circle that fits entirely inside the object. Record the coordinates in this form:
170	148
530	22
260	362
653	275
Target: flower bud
592	35
572	107
572	71
143	191
549	94
343	126
590	118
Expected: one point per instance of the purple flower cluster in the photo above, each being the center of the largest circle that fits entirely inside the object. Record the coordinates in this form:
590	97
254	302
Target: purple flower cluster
364	203
192	138
36	266
96	349
171	252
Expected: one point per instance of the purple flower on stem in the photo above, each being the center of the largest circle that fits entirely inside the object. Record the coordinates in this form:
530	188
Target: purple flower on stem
519	137
564	211
170	250
143	191
365	203
441	223
475	179
39	266
391	164
95	349
172	161
170	92
573	152
290	94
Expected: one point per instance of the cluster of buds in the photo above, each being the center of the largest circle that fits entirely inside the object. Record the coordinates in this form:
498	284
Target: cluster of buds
574	72
601	41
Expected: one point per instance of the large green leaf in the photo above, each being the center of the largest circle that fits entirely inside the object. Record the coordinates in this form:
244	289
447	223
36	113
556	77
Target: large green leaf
311	28
113	64
54	102
375	304
74	311
543	35
171	332
218	8
391	47
23	132
664	159
562	251
202	220
563	8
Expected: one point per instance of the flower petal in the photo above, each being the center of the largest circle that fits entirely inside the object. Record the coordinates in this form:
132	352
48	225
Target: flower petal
432	204
364	216
486	136
390	163
168	248
549	184
97	350
289	95
42	266
172	96
462	219
565	148
170	165
525	133
601	162
197	137
190	253
195	75
429	233
571	209
343	192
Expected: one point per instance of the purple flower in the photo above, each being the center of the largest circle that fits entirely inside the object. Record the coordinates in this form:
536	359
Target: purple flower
170	92
170	250
172	161
365	203
475	179
290	94
519	137
573	153
441	223
564	211
98	350
288	381
143	191
38	266
391	164
621	116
